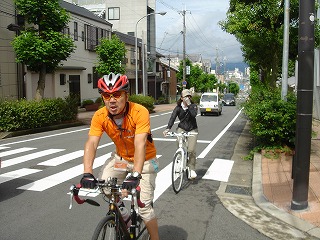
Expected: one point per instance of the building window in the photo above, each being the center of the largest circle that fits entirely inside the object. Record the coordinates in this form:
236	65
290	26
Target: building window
93	36
75	31
89	78
82	36
114	13
62	79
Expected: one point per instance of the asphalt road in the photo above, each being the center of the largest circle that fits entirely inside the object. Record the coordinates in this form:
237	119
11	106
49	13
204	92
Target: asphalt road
38	170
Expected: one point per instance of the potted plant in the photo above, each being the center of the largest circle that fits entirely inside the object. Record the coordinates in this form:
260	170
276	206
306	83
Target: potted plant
90	105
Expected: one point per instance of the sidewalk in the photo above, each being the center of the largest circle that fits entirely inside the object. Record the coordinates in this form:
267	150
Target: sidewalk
277	187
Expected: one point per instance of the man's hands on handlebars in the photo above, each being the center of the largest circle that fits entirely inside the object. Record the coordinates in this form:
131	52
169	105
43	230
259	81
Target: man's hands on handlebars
88	181
131	181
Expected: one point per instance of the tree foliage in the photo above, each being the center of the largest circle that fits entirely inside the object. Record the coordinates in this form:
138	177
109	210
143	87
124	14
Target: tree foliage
201	81
42	45
111	54
258	26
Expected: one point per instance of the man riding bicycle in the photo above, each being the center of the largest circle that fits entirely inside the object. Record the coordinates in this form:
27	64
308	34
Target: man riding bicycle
128	125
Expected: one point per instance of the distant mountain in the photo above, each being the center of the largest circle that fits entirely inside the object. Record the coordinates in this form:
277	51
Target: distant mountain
231	66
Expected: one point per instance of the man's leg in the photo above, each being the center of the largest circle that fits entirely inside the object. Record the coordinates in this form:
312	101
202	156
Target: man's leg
152	227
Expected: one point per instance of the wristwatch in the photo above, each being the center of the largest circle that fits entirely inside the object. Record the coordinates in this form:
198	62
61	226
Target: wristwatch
136	175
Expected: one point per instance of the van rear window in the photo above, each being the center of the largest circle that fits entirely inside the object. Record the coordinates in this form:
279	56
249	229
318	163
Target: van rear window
209	98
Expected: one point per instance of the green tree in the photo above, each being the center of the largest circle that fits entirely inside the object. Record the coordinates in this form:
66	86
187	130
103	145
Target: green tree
111	54
234	88
258	26
42	46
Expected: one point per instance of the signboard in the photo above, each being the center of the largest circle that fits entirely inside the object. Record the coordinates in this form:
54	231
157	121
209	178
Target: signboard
184	83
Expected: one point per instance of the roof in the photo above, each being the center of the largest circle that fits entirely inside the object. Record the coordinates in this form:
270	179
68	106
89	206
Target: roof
128	39
81	11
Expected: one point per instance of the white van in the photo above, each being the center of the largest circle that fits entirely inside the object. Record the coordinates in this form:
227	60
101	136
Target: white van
210	103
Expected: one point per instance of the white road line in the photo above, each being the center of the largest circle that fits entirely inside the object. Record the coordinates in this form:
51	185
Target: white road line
29	157
17	174
55	179
163	181
219	170
174	140
62	159
157	115
14	151
3	147
47	136
68	157
214	141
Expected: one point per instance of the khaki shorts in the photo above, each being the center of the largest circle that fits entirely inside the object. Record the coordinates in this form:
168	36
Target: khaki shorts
147	183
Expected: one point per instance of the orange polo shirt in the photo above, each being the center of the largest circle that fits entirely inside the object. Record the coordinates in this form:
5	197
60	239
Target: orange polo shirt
135	121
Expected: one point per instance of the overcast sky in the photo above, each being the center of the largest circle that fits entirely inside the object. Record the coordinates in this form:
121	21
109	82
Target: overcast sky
203	34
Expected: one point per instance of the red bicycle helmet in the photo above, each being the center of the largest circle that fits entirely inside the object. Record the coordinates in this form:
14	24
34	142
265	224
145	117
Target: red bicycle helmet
112	83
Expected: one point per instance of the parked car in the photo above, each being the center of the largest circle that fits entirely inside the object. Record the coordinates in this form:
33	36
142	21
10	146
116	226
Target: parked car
210	103
229	99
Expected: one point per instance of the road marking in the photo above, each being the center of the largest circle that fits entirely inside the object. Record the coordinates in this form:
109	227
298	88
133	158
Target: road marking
47	136
214	141
163	181
55	179
174	140
29	157
62	159
219	170
14	151
17	174
3	147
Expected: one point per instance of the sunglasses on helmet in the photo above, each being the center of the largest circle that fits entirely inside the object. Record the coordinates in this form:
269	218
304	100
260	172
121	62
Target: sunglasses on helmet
108	96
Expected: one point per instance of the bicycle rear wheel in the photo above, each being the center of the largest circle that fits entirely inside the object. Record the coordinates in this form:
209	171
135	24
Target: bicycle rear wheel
177	171
106	230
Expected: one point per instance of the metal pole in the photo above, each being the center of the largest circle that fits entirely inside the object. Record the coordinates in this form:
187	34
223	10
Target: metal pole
284	84
184	46
136	44
304	105
143	67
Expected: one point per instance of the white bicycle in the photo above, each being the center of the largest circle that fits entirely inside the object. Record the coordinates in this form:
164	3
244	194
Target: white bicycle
180	170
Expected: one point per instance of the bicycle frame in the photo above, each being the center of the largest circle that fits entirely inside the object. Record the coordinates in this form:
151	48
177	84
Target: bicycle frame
121	230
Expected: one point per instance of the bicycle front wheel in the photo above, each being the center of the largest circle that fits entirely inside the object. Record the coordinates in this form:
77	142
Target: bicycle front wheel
177	171
106	229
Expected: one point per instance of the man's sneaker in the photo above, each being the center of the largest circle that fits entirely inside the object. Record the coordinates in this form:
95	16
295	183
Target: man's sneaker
192	174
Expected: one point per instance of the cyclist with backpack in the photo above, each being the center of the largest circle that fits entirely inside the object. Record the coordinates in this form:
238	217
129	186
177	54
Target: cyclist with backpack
134	160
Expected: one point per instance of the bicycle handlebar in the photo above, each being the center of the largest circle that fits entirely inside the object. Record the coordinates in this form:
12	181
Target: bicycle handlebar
175	134
74	191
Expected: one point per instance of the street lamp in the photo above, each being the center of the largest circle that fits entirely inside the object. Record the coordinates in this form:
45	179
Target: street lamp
136	45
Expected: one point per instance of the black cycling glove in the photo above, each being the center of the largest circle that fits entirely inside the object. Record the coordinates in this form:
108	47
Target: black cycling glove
131	181
88	181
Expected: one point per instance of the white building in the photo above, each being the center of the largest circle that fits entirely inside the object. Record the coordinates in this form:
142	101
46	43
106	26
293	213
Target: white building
135	18
76	75
11	74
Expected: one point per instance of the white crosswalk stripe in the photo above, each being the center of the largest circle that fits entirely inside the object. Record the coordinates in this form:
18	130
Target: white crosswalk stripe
62	159
29	157
17	174
15	151
55	179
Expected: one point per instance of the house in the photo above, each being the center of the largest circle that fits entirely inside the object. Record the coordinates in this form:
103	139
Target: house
11	73
137	19
77	74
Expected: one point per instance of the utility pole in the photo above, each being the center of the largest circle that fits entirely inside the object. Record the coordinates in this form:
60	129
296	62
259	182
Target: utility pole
184	47
284	85
301	161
